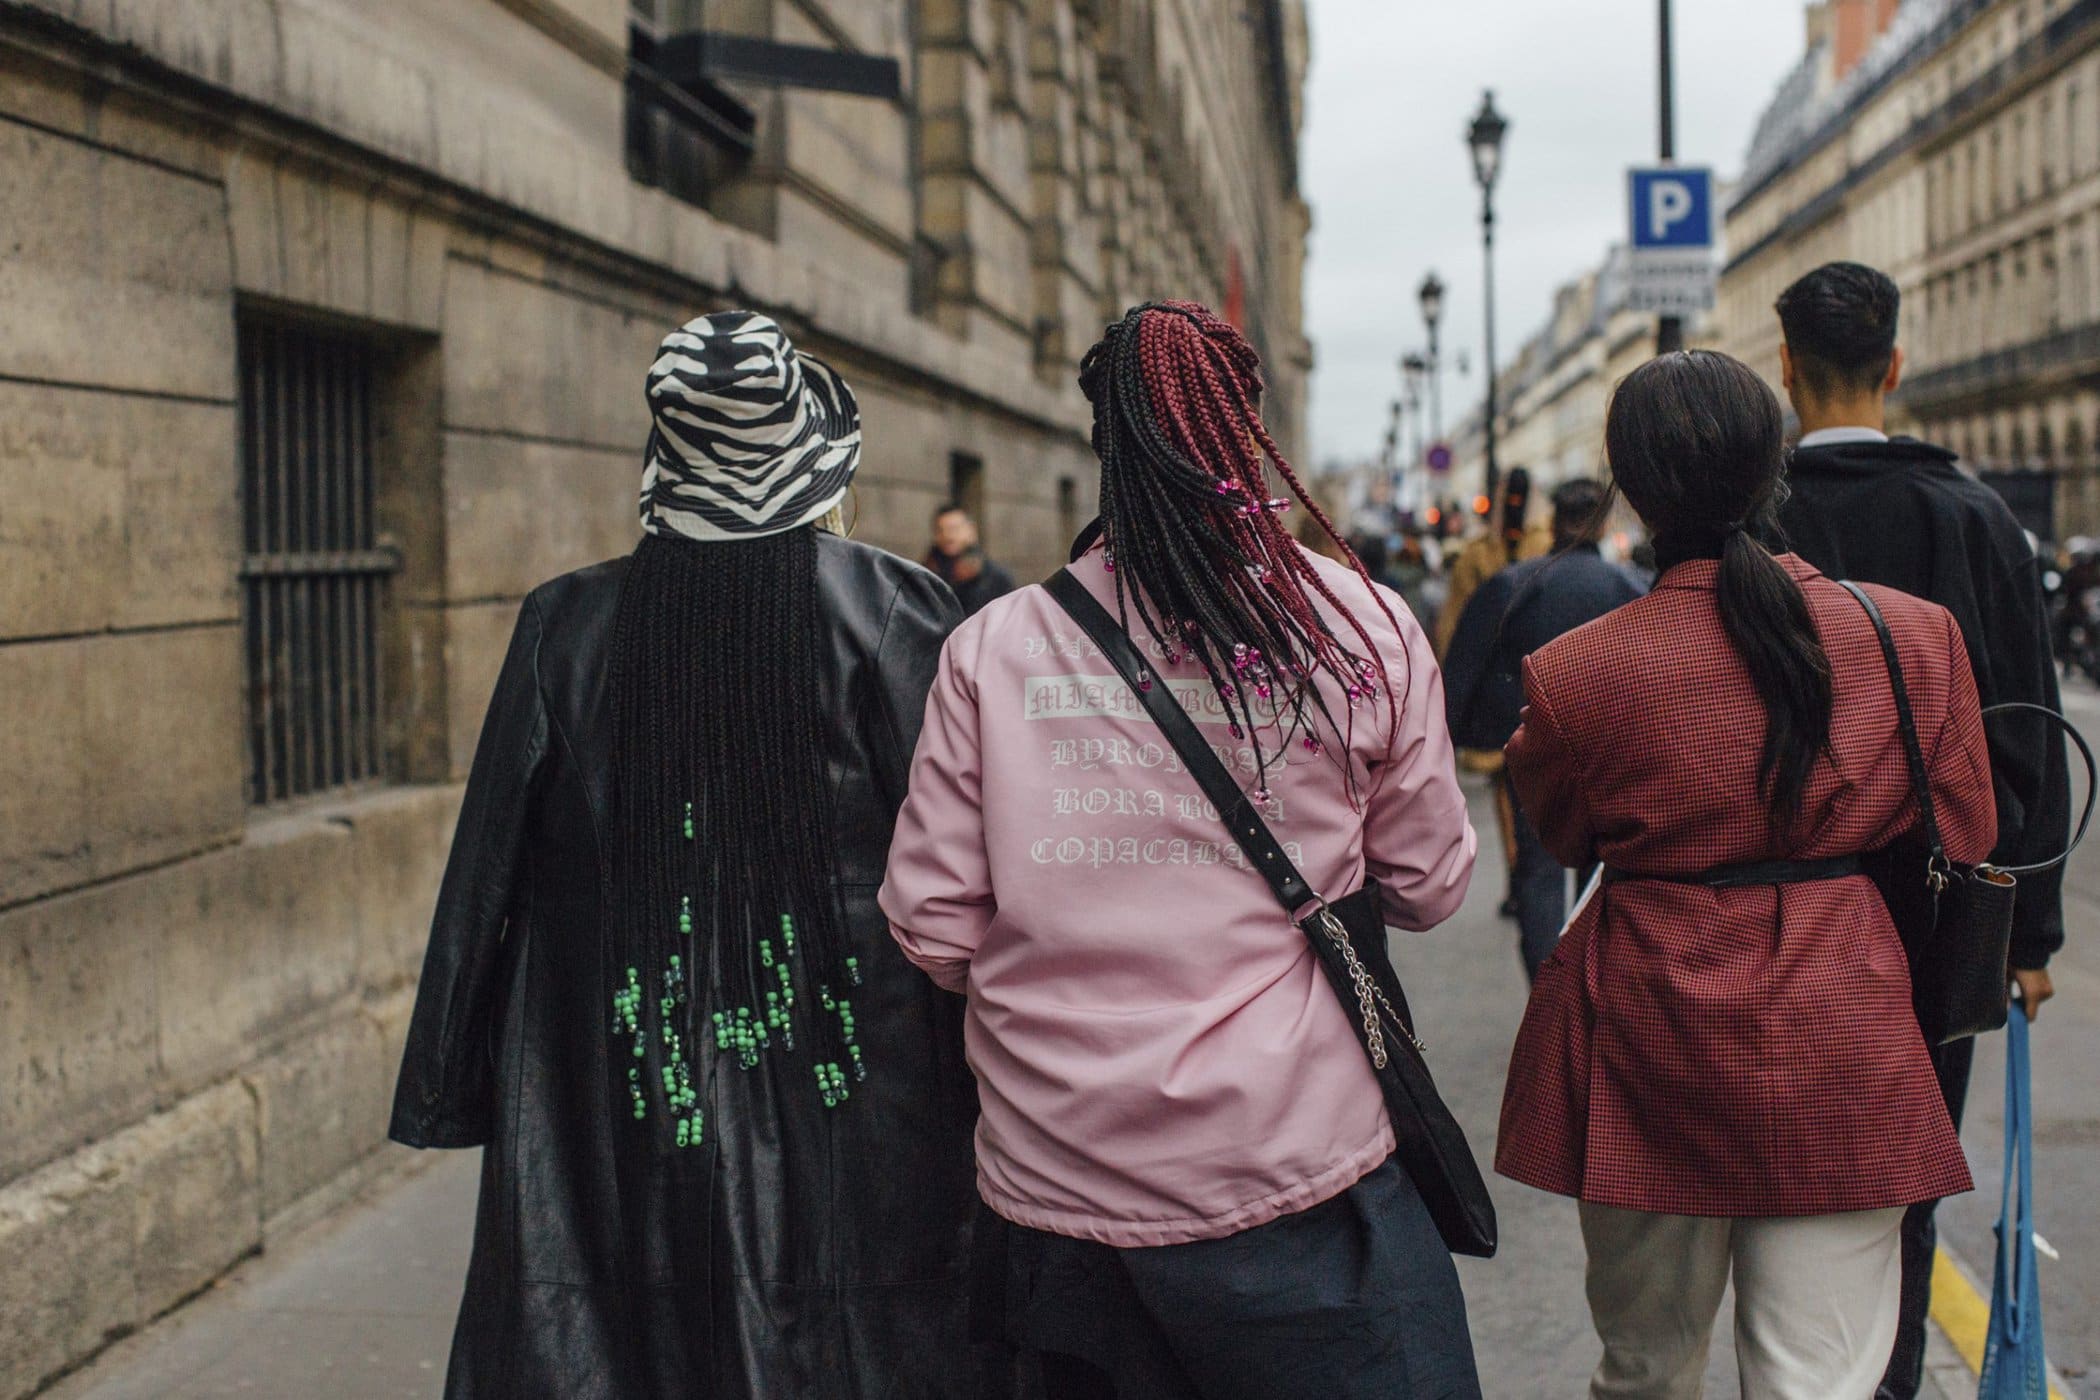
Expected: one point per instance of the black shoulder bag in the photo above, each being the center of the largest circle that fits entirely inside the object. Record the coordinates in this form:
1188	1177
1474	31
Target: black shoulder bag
1348	938
1956	923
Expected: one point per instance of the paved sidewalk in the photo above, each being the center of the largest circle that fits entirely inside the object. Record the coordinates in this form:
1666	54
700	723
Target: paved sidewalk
361	1306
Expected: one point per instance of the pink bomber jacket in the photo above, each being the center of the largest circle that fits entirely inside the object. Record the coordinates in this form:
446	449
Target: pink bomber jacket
1158	1056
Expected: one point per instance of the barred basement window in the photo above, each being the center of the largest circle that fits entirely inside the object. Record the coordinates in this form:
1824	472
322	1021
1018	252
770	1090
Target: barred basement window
313	577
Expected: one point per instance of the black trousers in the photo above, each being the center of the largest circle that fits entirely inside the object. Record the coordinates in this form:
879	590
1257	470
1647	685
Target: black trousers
1353	1299
1906	1372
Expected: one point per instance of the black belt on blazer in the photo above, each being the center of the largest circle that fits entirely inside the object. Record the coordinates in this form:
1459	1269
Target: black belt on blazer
1757	872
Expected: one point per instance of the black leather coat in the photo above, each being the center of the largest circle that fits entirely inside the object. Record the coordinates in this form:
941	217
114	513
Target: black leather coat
806	1252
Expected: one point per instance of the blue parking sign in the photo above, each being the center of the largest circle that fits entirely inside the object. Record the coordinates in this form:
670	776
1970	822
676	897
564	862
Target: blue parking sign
1672	208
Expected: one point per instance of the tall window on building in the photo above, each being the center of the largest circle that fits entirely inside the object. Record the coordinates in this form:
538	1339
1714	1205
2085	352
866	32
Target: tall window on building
2019	159
1972	313
2022	295
1067	510
2046	147
2074	139
313	576
1995	322
2078	289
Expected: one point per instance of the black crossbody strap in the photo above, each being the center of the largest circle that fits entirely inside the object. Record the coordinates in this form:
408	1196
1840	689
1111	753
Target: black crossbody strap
1920	779
2092	778
1255	840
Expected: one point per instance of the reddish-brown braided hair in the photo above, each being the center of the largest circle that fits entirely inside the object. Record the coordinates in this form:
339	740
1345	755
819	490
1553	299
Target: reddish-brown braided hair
1194	537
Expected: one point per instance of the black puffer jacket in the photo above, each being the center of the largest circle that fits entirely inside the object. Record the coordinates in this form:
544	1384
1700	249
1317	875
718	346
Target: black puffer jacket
805	1252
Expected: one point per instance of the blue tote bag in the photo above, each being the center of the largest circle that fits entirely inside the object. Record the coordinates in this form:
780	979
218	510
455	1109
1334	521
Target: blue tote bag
2013	1364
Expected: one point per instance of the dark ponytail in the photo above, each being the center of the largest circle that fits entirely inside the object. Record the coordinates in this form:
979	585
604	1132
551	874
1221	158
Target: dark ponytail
1695	442
1767	618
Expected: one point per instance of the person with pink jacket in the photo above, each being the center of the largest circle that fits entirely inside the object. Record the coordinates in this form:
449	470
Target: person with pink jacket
1184	1148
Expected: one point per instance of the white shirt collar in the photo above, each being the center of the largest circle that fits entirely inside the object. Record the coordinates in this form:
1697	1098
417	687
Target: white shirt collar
1833	437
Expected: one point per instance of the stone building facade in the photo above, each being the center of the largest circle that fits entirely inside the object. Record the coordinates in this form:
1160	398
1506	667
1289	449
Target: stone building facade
1554	393
1957	147
326	325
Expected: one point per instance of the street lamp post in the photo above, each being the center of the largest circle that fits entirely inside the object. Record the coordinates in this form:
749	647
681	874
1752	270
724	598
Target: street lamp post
1414	369
1484	137
1396	465
1431	294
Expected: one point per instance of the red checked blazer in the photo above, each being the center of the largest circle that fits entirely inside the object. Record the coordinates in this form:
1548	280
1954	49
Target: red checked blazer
1740	1052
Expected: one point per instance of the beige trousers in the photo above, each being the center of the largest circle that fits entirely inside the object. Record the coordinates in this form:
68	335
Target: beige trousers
1815	1301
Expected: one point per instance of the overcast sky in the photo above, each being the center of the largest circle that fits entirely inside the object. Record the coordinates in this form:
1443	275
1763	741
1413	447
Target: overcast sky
1394	84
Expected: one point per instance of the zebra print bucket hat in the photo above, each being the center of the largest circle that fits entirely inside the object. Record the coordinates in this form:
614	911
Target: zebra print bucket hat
747	437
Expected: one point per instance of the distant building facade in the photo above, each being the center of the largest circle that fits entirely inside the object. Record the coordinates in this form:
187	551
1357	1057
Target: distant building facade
1554	393
326	327
1956	145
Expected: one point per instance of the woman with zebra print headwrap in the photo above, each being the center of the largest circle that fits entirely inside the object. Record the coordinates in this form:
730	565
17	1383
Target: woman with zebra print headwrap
726	1127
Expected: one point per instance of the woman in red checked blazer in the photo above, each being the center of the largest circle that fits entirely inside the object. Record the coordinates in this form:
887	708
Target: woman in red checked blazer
1729	1077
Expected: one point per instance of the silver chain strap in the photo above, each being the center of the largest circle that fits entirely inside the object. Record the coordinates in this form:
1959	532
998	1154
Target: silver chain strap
1369	999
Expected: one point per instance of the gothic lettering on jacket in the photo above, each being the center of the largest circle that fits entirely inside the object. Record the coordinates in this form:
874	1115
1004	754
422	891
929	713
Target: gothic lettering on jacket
1096	697
1097	852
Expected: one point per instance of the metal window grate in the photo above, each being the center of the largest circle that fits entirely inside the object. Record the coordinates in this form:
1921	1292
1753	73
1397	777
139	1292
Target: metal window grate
313	579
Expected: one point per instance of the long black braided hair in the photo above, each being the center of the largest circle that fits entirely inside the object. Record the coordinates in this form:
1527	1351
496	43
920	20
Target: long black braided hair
726	940
1193	535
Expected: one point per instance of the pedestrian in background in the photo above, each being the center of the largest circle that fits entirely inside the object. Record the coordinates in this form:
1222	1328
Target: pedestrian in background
1900	512
1411	571
1179	1126
1720	1060
1511	616
1511	538
1515	534
958	559
661	885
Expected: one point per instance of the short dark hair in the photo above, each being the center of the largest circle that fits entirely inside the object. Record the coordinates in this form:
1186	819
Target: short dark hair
950	508
1577	505
1840	325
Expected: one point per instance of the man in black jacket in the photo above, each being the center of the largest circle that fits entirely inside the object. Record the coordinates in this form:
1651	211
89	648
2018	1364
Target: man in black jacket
1509	617
958	559
1899	512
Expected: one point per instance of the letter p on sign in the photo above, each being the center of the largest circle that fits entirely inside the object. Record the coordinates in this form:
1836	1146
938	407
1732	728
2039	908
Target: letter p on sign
1672	208
1669	204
